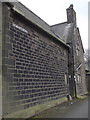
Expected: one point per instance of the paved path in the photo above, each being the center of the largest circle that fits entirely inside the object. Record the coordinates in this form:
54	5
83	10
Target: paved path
76	110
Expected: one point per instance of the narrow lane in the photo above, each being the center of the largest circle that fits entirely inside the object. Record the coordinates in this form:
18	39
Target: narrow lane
76	110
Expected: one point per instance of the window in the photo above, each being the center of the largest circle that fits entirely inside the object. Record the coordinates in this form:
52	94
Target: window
77	49
66	80
78	79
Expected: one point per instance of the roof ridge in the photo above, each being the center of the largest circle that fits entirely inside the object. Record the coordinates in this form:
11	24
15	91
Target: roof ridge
58	24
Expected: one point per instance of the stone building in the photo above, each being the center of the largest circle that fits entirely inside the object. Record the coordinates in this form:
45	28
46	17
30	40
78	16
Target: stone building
40	64
88	80
69	32
87	70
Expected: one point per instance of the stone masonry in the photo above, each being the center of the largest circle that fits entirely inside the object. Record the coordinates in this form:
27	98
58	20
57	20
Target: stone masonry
34	65
38	66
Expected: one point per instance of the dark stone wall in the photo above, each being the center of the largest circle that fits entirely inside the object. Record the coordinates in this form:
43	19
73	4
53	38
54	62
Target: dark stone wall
0	60
88	81
79	63
34	66
76	56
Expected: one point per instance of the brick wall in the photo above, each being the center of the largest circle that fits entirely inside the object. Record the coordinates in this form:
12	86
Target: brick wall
35	65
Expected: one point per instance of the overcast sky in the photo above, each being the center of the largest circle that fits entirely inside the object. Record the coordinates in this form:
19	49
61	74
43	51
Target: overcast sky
54	11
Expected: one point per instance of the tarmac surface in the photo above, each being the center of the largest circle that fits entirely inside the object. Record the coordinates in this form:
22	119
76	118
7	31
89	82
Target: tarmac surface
75	109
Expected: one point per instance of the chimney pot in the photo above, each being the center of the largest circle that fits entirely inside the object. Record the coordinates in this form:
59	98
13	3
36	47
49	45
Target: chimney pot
71	6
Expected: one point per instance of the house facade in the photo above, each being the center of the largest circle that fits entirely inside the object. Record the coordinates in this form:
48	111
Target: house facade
88	80
70	33
40	64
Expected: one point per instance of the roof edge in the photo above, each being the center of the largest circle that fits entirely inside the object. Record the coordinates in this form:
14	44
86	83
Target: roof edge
36	24
58	24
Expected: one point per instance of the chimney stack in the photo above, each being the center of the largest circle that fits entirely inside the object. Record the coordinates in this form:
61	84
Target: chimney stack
71	15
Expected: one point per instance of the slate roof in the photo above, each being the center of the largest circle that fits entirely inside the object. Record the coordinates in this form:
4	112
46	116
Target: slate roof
28	14
63	30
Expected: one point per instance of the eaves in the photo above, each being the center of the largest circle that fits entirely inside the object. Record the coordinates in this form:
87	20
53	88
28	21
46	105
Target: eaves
34	19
